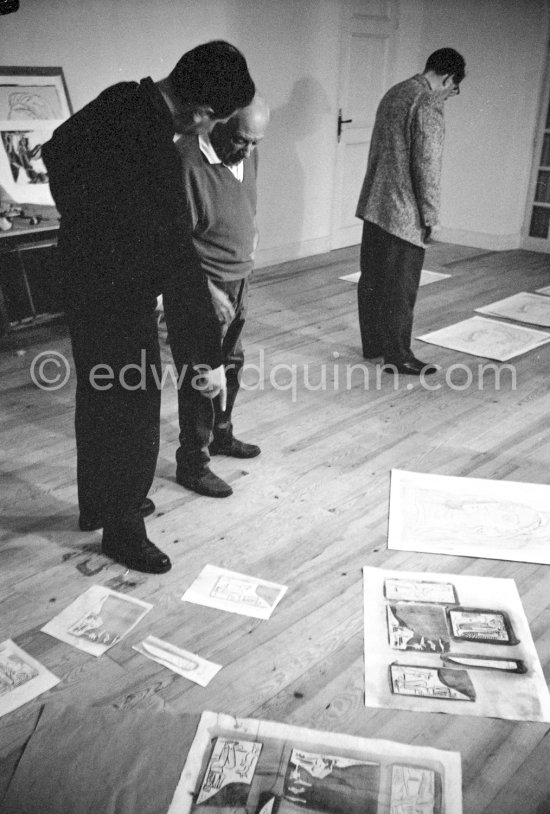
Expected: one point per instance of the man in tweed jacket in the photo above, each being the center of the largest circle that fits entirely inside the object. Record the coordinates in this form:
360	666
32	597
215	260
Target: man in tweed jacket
399	204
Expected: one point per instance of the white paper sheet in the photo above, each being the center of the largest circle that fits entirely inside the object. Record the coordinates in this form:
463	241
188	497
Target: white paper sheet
22	678
545	290
490	338
237	593
263	766
475	656
97	619
523	307
469	517
180	661
426	277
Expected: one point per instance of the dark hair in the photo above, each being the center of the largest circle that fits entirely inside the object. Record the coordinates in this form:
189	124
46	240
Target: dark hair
447	61
213	74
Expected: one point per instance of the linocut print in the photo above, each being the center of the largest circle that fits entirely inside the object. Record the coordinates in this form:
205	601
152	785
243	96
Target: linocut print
473	655
263	767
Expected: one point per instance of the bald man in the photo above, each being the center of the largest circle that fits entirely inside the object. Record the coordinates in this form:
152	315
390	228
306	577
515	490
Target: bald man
219	179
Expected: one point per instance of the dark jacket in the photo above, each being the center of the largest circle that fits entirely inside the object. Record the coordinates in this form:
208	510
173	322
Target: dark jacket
115	176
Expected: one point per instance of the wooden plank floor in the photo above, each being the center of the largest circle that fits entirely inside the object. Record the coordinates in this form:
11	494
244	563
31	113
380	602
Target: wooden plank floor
309	512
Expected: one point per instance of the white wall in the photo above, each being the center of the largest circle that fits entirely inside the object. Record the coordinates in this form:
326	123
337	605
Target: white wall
292	47
292	50
491	125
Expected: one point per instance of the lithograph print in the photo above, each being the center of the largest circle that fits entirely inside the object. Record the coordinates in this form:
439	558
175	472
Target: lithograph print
97	619
22	678
472	655
234	592
263	767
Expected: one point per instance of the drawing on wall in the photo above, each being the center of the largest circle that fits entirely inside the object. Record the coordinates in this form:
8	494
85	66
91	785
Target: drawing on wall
431	682
180	661
477	625
22	678
426	277
477	656
406	590
417	627
265	767
237	593
97	619
523	307
490	338
470	517
33	102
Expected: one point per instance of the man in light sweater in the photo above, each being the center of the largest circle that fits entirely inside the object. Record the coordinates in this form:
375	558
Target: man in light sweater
219	178
399	204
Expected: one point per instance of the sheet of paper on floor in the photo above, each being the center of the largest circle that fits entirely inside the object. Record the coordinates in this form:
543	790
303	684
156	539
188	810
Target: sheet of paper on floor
490	338
450	643
426	277
270	767
237	593
22	678
469	517
97	619
532	309
180	661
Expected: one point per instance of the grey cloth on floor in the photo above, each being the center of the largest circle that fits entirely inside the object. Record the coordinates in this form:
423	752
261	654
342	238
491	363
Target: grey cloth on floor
94	759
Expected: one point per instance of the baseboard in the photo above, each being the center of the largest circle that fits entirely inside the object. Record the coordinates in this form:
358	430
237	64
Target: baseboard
291	251
479	240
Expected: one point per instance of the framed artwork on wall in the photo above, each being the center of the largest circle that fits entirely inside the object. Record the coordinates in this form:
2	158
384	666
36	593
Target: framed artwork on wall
33	102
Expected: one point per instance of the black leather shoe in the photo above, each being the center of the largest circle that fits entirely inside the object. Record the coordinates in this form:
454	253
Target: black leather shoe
204	482
412	367
234	448
139	554
93	523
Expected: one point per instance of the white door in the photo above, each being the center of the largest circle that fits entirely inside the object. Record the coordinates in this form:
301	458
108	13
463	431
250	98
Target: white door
537	220
368	39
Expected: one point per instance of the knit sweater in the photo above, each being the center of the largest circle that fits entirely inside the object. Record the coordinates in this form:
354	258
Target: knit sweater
401	190
221	212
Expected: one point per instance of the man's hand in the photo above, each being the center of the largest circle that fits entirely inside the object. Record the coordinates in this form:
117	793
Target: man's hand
222	304
211	383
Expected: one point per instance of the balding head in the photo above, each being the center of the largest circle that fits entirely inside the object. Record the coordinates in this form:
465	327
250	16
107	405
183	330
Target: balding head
235	139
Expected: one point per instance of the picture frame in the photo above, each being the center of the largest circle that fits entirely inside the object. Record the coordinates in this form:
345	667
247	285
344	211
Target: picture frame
34	101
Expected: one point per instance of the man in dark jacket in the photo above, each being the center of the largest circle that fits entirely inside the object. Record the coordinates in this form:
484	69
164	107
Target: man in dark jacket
115	176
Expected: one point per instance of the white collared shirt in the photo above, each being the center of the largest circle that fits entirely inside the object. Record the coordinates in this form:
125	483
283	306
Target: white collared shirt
206	148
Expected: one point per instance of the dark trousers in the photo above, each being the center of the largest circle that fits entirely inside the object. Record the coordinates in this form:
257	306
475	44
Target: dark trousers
386	293
116	422
201	419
